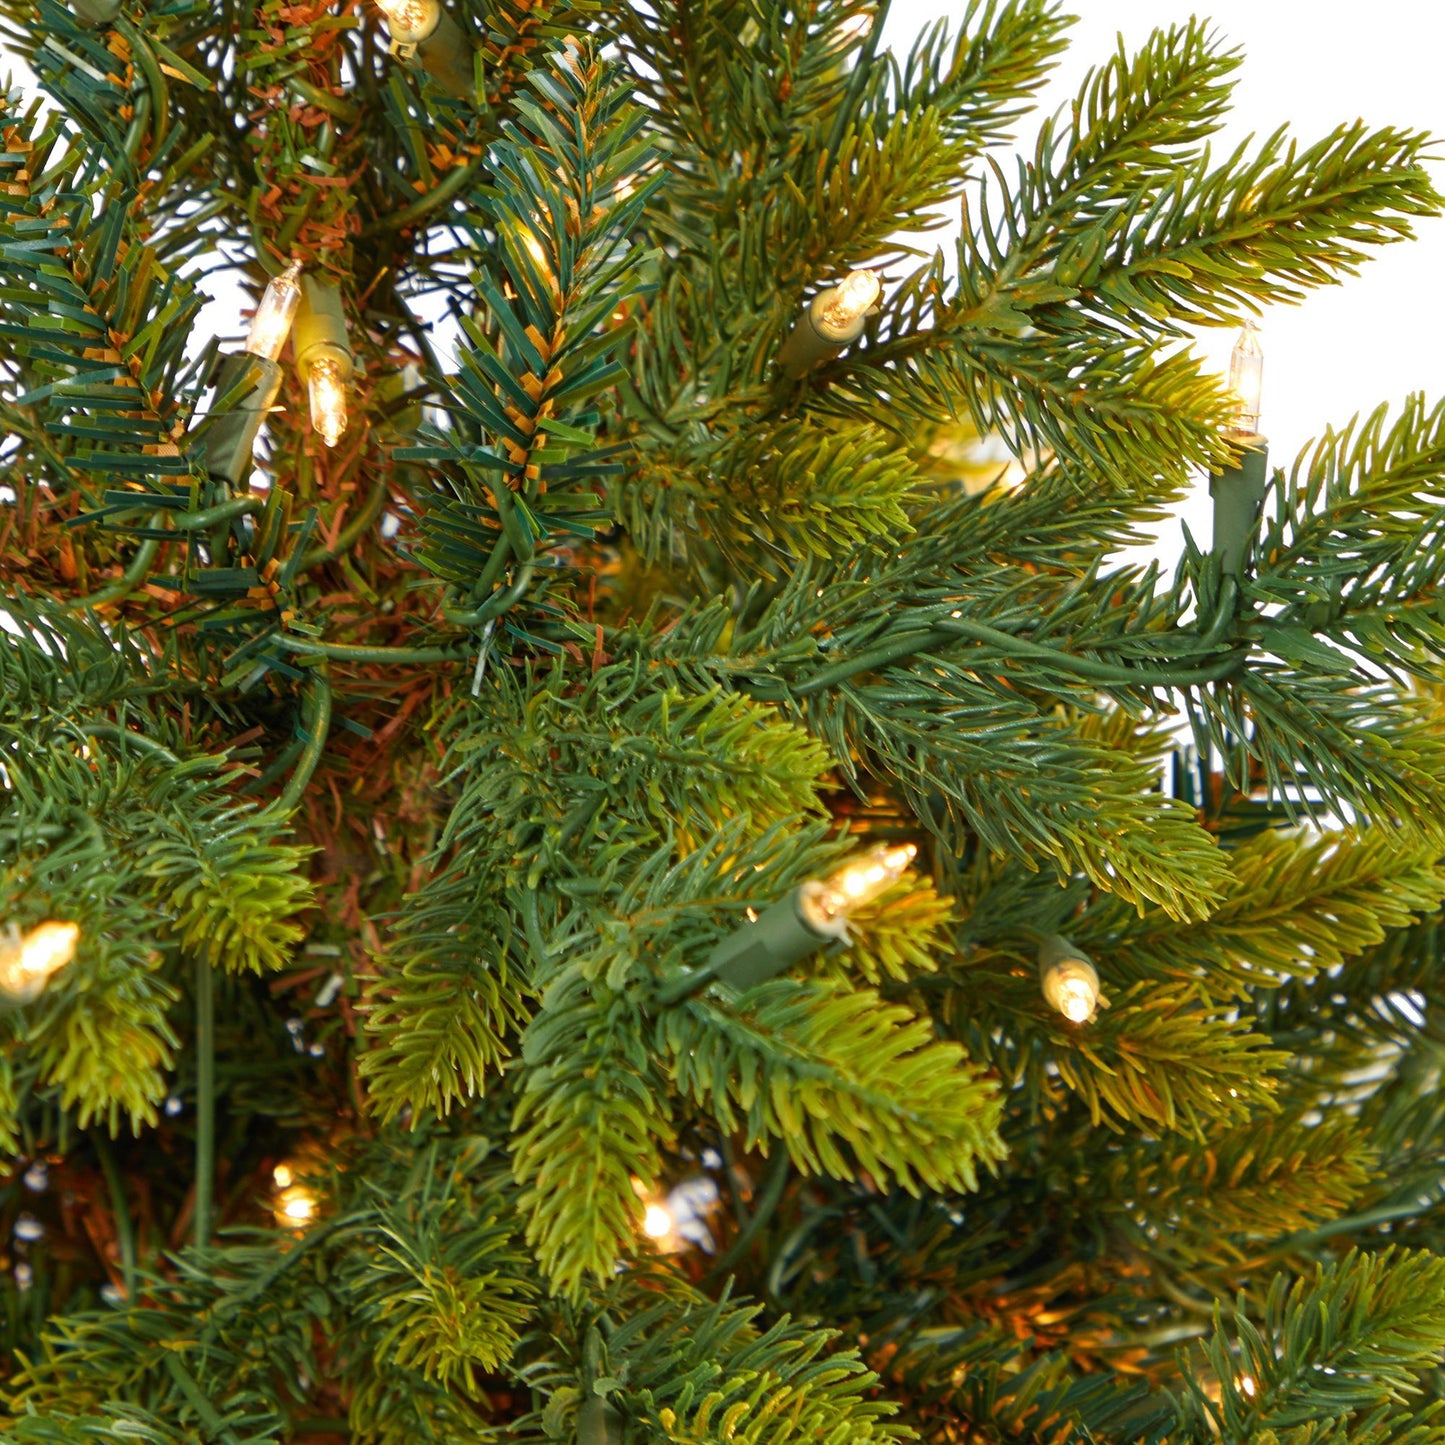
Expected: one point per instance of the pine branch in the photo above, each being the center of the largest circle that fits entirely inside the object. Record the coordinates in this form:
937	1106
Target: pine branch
705	1372
588	1122
1295	906
1348	1341
816	1068
566	190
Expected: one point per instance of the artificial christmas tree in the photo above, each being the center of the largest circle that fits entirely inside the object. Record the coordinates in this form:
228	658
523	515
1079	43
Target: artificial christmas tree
607	888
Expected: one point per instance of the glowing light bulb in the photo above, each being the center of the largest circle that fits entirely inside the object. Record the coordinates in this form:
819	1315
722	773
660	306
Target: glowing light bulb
1246	382
410	20
28	960
1247	1385
829	903
283	1176
656	1222
326	387
1070	981
295	1207
1077	1000
850	301
272	322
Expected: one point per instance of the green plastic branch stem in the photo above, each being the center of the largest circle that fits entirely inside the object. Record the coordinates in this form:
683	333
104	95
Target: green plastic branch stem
124	1224
222	512
129	580
454	181
317	728
911	643
350	652
351	532
1238	494
1148	674
125	735
757	951
154	76
205	1097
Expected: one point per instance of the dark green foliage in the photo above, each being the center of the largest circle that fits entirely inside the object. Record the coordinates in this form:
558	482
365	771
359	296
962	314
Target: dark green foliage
1350	1340
144	848
401	802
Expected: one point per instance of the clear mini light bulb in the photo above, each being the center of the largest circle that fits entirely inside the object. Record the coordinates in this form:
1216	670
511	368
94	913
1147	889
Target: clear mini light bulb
410	20
830	903
848	303
1077	999
28	960
1069	980
272	323
1246	381
326	387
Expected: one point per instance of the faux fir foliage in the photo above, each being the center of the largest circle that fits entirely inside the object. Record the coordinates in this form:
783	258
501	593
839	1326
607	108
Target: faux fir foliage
402	796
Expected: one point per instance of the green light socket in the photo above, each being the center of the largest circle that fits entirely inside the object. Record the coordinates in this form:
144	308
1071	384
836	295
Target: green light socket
229	437
445	55
764	948
1238	494
320	327
95	12
598	1423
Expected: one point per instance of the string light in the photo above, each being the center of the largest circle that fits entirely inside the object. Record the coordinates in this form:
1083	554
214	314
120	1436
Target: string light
1247	1385
323	356
812	916
679	1218
827	905
27	961
424	35
1238	488
327	392
254	377
271	324
1246	381
842	309
834	318
1070	981
410	20
657	1223
295	1204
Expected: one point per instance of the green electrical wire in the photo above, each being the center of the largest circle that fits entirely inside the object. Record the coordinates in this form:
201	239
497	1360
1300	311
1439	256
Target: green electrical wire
318	726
